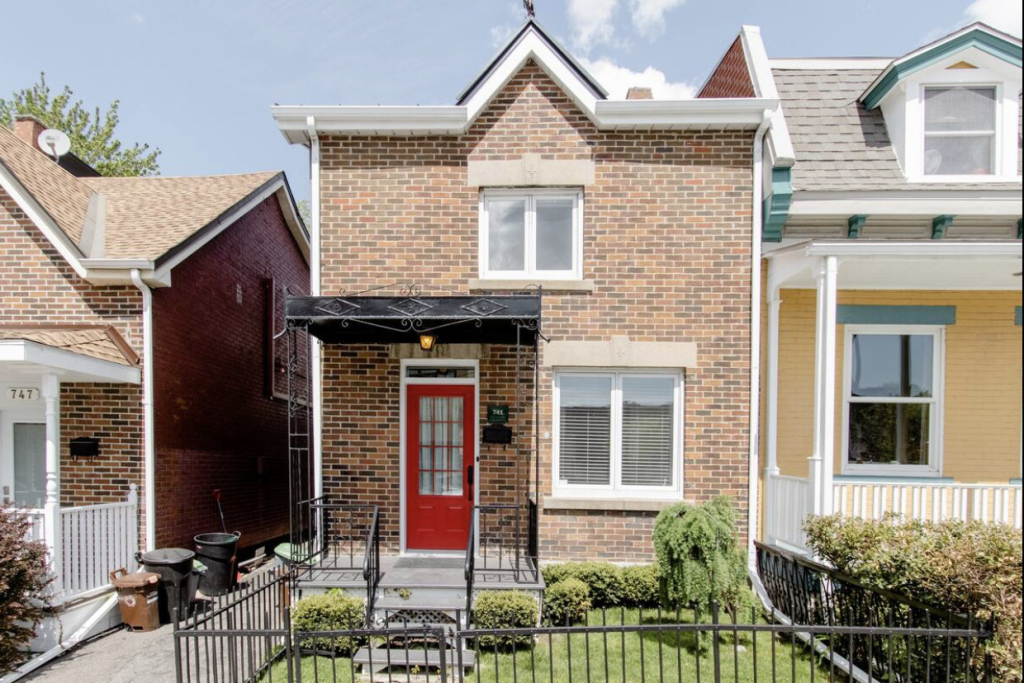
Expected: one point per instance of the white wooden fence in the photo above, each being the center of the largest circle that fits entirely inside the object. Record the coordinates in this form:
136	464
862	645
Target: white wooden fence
96	540
788	504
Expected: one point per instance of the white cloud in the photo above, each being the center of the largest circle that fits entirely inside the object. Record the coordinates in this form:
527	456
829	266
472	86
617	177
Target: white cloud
138	18
617	80
1004	15
501	34
649	15
591	22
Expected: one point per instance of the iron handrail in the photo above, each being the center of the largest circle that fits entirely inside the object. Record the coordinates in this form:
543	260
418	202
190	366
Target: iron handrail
371	564
470	566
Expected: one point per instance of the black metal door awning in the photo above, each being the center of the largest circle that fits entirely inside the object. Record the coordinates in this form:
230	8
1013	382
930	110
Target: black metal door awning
453	319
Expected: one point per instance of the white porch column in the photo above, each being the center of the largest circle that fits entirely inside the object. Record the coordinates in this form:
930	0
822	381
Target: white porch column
774	311
51	520
822	462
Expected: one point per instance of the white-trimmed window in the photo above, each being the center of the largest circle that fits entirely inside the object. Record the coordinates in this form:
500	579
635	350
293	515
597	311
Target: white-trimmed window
893	400
960	125
617	433
535	234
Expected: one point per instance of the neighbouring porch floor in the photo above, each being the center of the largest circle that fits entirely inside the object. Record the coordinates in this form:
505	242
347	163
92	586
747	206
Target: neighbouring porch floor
423	571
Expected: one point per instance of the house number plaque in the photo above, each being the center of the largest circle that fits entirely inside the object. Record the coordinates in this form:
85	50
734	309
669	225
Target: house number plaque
22	394
497	415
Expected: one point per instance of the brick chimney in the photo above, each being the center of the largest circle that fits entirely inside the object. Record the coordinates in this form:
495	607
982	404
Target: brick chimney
640	94
28	128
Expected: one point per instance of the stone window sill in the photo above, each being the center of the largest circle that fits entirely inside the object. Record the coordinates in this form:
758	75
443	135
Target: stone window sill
583	286
608	504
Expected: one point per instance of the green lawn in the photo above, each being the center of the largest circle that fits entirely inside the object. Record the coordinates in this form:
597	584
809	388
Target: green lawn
666	657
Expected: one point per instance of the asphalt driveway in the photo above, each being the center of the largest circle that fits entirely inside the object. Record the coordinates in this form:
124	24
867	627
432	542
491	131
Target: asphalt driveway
118	657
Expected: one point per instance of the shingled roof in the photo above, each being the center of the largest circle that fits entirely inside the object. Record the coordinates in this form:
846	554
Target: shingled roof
146	218
840	144
102	342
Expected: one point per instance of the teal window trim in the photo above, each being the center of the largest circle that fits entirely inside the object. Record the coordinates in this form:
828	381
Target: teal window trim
896	315
777	205
983	40
1018	316
1015	482
866	479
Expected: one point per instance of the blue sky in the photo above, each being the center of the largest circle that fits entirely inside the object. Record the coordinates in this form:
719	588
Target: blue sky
196	79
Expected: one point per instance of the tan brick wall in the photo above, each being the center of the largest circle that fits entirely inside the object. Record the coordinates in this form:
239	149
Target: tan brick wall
666	245
38	286
982	420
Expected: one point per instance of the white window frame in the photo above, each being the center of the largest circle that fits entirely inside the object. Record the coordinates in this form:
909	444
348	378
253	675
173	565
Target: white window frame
937	419
996	143
616	489
530	257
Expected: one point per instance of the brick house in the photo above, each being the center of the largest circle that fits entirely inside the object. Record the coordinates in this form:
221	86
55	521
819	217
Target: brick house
892	303
137	362
613	239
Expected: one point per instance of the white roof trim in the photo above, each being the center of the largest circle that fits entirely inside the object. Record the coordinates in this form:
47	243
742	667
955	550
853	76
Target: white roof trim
779	141
57	237
963	203
28	352
917	248
456	120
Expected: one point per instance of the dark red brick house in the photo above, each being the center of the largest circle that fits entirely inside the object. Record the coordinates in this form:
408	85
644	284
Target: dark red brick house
444	237
138	366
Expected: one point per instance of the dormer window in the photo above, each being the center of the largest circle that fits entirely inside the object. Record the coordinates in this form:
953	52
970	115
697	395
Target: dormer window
960	131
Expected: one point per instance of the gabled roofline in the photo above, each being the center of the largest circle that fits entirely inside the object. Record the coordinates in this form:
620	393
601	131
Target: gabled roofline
531	43
977	35
564	54
780	144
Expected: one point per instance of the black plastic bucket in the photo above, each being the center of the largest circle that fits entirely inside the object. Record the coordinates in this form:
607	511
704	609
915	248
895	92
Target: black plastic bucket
217	552
177	588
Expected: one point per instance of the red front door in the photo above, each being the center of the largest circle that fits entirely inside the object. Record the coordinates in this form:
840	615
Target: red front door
440	452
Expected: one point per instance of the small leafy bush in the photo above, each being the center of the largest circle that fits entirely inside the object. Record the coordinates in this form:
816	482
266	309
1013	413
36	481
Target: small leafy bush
23	583
332	612
640	586
963	568
700	558
503	611
602	578
566	602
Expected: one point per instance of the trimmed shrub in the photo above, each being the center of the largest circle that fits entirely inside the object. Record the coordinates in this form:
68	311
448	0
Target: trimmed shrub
963	568
23	582
602	578
699	557
332	612
503	611
640	586
566	602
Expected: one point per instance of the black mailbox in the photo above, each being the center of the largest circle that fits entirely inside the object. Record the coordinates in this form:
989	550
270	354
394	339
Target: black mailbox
85	447
500	434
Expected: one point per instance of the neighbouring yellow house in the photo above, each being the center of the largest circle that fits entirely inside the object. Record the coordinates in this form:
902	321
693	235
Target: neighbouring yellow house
891	311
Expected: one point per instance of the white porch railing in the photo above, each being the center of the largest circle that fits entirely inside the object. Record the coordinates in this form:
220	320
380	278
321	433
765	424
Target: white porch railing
789	504
93	541
930	502
96	540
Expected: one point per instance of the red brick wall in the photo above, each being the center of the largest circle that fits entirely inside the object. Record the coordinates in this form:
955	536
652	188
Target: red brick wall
215	426
731	77
666	244
38	286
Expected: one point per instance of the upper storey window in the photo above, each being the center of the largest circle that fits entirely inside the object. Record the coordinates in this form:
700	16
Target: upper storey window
532	234
960	131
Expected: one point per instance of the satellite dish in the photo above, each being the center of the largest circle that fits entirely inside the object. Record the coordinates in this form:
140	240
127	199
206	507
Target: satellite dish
55	142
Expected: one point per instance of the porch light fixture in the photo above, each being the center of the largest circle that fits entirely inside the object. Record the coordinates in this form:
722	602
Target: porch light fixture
427	342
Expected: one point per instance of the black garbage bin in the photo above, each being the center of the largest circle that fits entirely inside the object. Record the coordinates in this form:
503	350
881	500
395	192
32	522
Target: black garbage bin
177	588
217	552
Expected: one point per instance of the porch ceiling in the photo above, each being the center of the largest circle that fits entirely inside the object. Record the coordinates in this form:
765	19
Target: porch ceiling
941	265
507	319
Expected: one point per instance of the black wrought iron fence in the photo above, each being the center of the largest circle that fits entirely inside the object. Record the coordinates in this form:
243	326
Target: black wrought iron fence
807	592
239	636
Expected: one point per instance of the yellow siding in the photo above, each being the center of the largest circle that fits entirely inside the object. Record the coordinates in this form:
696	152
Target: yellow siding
982	391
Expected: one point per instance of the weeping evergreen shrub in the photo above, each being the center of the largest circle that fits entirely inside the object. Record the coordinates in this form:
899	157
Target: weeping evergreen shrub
699	558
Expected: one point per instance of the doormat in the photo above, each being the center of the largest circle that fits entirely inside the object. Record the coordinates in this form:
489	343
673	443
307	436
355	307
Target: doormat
430	563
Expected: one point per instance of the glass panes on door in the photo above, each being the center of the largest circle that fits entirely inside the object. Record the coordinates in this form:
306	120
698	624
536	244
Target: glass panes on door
29	464
441	448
